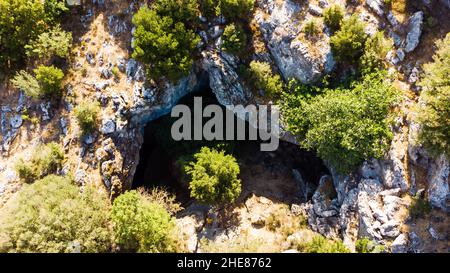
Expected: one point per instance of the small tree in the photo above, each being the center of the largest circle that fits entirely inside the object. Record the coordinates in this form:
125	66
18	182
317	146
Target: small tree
263	78
141	225
50	80
163	44
434	107
348	43
332	17
185	11
51	215
87	116
234	39
214	177
235	10
55	42
27	83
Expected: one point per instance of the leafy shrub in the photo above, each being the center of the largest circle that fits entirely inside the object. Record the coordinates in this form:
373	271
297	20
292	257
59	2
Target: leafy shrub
50	80
208	7
45	160
185	11
332	17
55	42
344	126
365	245
234	39
244	243
263	79
312	28
214	177
348	42
141	225
51	215
375	51
434	109
320	244
283	222
26	82
235	10
87	116
163	44
21	22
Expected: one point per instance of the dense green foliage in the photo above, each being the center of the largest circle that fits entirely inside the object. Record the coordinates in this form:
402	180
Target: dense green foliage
55	42
234	39
332	17
263	78
320	244
365	245
21	22
208	8
235	10
50	80
347	44
344	126
141	225
434	109
214	177
45	160
185	11
163	44
87	116
51	215
46	84
375	51
28	83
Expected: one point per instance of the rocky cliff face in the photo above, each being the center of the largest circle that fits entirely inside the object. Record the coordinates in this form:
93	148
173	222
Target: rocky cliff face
372	202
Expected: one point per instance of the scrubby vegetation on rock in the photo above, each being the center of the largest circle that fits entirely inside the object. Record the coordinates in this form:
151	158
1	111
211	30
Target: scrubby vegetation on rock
214	177
234	39
51	215
142	225
344	126
332	17
434	108
262	78
87	116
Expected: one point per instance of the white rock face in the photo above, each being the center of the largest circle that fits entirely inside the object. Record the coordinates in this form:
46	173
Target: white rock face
438	189
293	57
377	6
400	244
414	31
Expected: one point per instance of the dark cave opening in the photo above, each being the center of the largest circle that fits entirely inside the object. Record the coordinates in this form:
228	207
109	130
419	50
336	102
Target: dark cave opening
160	155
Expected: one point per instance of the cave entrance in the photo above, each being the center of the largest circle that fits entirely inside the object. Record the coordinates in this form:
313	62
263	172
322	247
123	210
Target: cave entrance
266	174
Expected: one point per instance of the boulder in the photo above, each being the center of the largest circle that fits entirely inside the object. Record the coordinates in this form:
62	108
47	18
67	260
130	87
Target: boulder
414	31
400	244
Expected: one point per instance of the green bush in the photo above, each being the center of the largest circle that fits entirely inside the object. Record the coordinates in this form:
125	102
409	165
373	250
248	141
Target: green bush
347	44
208	8
55	42
320	244
344	126
434	109
163	44
51	215
312	28
234	39
185	11
375	51
26	82
235	10
420	207
262	78
141	225
45	160
365	245
87	116
332	17
22	21
50	80
214	177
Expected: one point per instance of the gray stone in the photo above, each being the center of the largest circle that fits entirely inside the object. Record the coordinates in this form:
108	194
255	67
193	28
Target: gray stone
315	10
438	189
414	31
108	126
400	244
377	6
390	229
63	124
80	177
16	121
45	108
